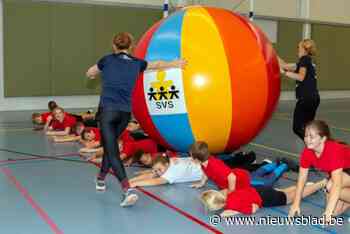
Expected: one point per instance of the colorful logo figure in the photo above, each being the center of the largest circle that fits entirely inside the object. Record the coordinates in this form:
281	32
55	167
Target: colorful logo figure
224	96
163	93
162	89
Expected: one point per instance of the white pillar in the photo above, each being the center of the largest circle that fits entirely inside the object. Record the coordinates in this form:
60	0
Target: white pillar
251	10
304	13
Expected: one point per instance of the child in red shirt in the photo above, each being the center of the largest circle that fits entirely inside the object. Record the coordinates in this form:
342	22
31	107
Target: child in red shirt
225	178
38	118
334	156
331	157
130	130
248	200
91	137
130	148
75	135
61	124
130	142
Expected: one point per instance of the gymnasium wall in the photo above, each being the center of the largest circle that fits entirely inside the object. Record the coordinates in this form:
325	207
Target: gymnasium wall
47	48
53	44
322	10
330	11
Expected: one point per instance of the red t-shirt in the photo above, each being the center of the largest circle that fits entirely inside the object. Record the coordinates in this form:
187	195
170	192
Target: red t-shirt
44	116
334	156
242	200
217	171
146	145
171	154
96	132
68	121
126	137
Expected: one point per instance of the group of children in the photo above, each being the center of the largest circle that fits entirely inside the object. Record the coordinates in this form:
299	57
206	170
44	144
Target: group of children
137	148
244	185
241	192
62	126
134	145
238	195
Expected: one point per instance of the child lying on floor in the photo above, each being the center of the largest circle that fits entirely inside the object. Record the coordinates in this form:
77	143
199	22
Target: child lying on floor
265	173
131	140
249	200
61	124
167	170
147	159
228	176
91	139
75	135
41	119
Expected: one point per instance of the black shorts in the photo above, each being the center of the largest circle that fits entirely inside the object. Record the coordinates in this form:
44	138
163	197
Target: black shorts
347	171
78	118
271	197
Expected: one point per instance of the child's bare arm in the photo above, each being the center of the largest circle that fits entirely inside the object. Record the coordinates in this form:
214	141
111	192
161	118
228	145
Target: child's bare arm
48	122
231	182
90	150
58	133
148	182
229	213
91	144
143	172
146	175
69	138
201	183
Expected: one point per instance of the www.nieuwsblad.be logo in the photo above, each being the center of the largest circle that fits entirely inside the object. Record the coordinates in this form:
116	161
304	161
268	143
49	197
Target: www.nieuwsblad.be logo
163	92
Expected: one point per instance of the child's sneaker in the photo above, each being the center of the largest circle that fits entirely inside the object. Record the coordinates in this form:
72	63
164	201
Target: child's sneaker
292	165
100	185
129	198
267	160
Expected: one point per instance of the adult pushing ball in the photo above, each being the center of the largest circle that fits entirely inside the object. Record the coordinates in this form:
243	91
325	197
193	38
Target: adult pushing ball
225	94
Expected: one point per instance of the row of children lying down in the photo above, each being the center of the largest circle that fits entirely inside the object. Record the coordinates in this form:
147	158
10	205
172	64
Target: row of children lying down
240	192
168	168
65	127
134	145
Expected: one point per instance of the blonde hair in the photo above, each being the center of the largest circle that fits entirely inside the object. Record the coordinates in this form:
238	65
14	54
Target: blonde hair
57	108
309	46
213	200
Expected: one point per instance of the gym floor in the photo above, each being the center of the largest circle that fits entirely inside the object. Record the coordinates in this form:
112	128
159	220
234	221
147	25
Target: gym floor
57	194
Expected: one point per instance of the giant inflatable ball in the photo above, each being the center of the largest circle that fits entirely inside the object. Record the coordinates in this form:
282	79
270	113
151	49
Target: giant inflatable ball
226	93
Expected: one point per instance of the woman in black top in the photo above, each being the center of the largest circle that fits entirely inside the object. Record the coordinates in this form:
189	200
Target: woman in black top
304	73
119	72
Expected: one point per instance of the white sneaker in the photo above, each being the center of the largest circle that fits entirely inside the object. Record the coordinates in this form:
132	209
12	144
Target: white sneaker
267	160
100	185
129	198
